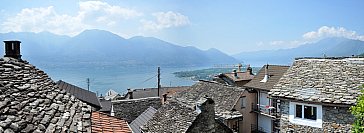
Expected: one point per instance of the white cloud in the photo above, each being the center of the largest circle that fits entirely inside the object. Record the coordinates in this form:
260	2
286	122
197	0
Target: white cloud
92	14
165	20
325	32
313	36
41	19
102	13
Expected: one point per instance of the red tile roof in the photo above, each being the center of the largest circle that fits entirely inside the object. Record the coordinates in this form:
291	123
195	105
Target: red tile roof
241	76
103	123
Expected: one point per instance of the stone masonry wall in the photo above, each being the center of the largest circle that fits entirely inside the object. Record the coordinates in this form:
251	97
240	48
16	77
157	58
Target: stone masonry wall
337	119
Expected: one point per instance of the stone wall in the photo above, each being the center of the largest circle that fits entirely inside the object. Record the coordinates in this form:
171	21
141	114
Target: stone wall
335	119
132	108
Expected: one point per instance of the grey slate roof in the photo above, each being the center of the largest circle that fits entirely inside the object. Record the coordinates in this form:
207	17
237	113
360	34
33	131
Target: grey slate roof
142	119
130	109
275	72
225	97
331	81
31	102
106	105
173	117
82	94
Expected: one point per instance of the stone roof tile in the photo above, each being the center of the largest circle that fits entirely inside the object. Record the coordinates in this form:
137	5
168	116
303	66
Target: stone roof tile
32	102
225	97
331	81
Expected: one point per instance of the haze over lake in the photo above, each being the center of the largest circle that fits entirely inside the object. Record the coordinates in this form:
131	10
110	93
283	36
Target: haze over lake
110	75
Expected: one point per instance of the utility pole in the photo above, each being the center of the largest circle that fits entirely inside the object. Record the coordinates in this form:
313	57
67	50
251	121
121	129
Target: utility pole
88	84
159	79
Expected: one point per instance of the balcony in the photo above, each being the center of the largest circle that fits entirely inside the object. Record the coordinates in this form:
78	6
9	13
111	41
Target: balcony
265	110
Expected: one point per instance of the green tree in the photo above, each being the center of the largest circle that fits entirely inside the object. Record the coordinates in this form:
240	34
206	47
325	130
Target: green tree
358	111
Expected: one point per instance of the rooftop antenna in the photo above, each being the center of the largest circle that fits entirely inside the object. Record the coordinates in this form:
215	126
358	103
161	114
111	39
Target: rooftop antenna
159	79
88	84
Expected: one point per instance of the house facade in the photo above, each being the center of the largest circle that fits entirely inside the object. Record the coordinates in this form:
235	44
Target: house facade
262	107
315	94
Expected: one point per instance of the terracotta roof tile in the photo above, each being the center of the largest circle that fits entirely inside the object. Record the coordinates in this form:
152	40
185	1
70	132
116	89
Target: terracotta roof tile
241	76
104	123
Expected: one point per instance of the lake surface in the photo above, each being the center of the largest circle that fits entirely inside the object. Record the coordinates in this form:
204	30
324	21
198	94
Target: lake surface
108	75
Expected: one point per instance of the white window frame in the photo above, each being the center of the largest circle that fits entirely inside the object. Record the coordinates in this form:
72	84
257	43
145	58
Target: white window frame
302	121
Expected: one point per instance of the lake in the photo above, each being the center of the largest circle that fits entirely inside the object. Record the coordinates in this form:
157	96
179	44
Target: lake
109	75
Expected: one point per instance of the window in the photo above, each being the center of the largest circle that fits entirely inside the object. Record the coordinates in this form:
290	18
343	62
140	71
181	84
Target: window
305	114
298	111
243	102
308	112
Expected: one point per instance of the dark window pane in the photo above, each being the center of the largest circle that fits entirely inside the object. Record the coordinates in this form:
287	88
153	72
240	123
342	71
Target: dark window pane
298	111
310	112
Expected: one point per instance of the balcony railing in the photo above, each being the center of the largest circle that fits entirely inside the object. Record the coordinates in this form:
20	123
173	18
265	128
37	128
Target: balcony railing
265	110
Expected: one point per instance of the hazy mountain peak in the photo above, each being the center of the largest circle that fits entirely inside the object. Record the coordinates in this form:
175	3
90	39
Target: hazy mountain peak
334	46
103	46
97	33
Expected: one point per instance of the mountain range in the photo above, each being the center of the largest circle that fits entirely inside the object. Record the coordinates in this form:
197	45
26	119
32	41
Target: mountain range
104	46
326	47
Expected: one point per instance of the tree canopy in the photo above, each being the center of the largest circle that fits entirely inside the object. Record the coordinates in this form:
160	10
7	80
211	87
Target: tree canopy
358	111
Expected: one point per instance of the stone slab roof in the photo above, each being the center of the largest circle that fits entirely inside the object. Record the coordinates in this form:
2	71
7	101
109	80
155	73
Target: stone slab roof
225	97
103	123
142	119
173	117
106	105
130	109
31	102
275	72
331	81
80	93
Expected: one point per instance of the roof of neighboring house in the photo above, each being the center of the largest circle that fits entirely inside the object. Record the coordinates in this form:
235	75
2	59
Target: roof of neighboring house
275	72
241	76
31	102
173	117
106	105
82	94
130	109
142	119
103	123
225	97
332	81
153	92
111	94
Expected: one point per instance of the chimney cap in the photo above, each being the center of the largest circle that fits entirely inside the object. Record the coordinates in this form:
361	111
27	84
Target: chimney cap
5	41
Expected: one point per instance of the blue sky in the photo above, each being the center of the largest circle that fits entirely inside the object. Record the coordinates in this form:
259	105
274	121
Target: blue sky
230	26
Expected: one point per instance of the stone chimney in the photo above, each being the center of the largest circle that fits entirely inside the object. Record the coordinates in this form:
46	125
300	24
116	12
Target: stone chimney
266	76
249	70
235	74
12	49
239	67
130	93
206	109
